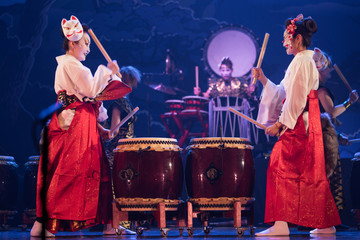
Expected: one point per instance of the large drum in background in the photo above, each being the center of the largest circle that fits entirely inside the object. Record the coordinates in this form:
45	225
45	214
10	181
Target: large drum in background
219	167
147	168
195	103
237	43
8	183
30	182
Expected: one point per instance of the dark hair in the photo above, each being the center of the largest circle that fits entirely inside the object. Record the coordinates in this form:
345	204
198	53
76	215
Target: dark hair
130	76
226	61
66	41
305	27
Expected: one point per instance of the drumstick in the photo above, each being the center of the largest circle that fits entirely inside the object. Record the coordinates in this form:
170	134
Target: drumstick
197	76
354	140
262	53
247	118
123	120
101	48
337	69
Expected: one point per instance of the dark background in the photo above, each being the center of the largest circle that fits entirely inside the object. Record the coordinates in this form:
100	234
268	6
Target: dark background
138	33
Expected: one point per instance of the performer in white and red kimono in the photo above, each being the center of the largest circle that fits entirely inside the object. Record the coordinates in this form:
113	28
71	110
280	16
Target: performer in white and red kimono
78	181
297	190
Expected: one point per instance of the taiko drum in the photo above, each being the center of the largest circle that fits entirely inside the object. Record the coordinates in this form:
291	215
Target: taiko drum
9	183
219	167
147	168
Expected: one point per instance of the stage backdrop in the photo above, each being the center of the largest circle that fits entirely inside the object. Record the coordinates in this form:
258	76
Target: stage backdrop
139	33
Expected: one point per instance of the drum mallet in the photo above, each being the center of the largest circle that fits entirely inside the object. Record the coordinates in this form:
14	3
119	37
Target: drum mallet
101	48
247	118
354	140
196	76
123	121
262	53
337	69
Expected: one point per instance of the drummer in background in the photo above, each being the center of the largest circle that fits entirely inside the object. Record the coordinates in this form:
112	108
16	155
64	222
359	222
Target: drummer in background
324	65
326	99
117	110
227	85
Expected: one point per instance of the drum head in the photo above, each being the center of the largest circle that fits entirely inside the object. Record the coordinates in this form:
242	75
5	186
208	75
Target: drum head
237	43
198	98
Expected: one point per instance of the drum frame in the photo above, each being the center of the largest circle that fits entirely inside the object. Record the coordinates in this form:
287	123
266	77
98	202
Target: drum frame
221	116
134	209
184	122
236	208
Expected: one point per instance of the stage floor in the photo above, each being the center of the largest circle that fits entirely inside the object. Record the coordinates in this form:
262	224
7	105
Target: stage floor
154	233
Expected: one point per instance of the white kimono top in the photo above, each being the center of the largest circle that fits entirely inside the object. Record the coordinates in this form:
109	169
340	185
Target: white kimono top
71	75
300	78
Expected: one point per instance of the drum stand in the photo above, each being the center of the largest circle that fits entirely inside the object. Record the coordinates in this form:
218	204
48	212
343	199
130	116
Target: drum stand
230	207
185	121
28	217
123	207
5	216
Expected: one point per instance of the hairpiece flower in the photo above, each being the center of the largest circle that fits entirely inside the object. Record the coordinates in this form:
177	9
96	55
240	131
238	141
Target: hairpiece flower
292	26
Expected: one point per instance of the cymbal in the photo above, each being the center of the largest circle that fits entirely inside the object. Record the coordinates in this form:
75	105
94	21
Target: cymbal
180	90
162	88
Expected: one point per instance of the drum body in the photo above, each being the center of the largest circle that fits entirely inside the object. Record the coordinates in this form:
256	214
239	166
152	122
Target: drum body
147	168
30	182
8	183
174	105
219	167
194	103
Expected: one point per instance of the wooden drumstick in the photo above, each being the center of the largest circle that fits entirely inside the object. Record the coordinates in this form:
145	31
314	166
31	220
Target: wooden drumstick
262	53
101	48
337	69
354	140
123	120
247	118
197	76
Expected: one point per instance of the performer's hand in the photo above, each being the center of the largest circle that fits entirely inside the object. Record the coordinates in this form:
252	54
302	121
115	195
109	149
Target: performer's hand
343	140
353	96
113	66
259	75
197	91
274	130
104	133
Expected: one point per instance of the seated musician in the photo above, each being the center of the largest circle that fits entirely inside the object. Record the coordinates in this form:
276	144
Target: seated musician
227	85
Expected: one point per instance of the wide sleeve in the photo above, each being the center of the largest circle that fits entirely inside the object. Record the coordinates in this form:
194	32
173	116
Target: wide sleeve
84	83
271	103
297	89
